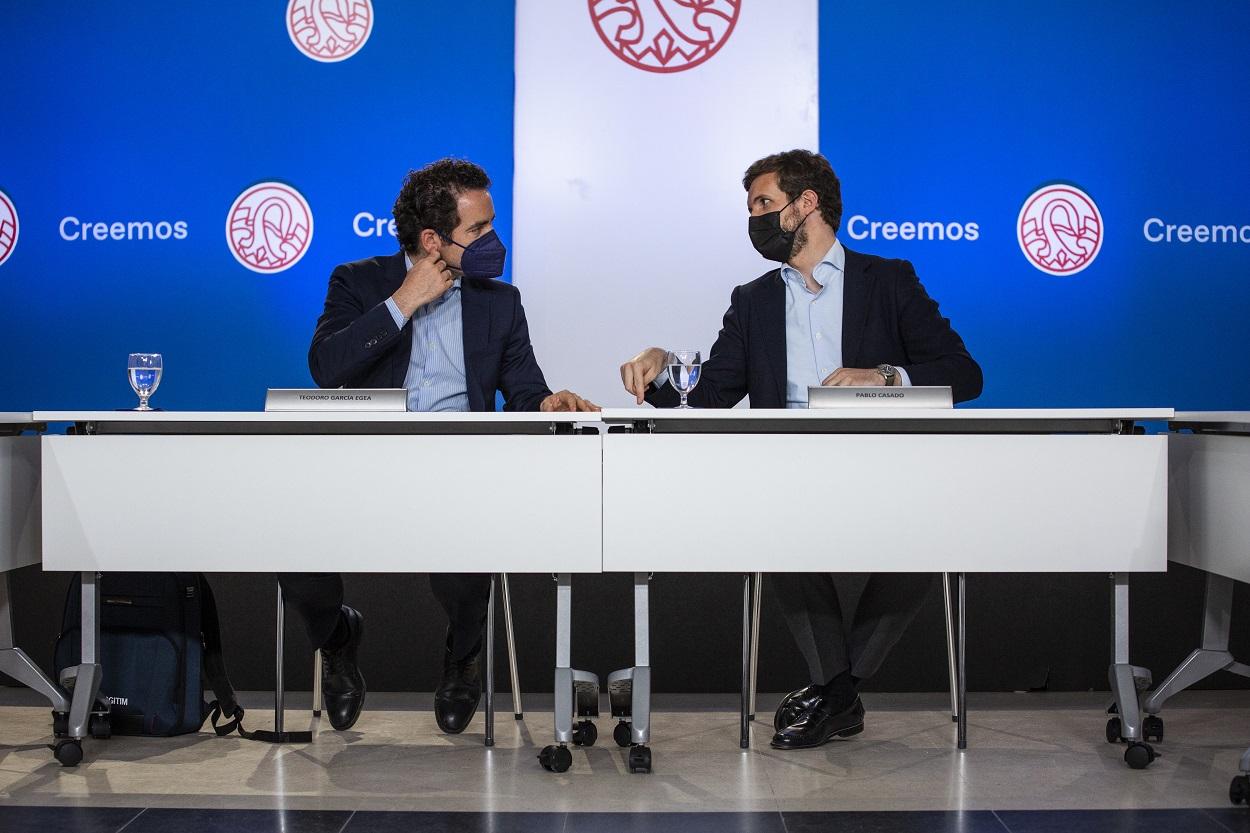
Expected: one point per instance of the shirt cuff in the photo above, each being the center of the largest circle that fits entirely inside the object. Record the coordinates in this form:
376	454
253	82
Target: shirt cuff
903	379
661	380
400	321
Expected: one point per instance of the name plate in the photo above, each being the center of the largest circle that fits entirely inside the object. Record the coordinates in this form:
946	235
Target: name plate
900	397
337	399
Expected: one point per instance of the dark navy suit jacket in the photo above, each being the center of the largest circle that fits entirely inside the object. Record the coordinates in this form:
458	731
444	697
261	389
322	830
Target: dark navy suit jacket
887	318
357	344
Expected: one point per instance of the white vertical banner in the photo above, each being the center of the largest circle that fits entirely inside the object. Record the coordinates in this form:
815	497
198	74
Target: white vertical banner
635	120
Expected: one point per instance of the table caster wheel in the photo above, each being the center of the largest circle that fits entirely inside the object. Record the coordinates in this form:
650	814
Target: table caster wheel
68	752
556	758
585	733
1139	755
60	724
640	759
1152	728
1239	789
100	727
1113	730
621	734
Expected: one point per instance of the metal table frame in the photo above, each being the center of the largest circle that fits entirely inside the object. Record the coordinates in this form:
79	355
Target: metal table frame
88	673
1126	680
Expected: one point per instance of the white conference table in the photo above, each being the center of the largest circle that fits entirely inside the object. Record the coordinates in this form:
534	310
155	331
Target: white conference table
1209	528
20	541
891	490
314	492
944	491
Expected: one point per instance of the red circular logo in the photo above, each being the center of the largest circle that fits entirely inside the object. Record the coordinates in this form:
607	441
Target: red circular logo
1060	229
329	30
8	227
664	35
269	227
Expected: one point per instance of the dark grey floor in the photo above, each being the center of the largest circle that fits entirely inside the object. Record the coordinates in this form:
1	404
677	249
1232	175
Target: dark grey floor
164	820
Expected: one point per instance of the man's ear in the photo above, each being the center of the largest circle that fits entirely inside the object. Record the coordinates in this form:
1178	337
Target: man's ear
811	199
430	242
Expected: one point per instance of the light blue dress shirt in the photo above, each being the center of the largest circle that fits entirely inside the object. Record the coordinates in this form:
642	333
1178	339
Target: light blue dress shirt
813	327
435	378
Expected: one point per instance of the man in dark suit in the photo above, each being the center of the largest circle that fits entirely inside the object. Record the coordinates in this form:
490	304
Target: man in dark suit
828	316
432	319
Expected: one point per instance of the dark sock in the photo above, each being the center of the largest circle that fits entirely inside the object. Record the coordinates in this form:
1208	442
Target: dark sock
842	690
341	634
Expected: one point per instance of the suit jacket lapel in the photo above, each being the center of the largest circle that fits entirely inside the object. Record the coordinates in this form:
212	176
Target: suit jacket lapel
856	293
475	323
772	313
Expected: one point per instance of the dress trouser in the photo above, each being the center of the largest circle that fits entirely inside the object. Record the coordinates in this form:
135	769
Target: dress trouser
318	597
884	605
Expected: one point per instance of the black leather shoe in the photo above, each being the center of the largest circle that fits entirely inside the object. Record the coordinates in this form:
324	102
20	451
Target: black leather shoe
793	705
821	724
458	693
342	684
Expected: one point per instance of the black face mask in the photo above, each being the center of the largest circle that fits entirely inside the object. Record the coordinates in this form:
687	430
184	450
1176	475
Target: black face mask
769	238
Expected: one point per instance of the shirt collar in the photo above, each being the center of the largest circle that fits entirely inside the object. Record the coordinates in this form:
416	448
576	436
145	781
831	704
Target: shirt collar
408	266
835	257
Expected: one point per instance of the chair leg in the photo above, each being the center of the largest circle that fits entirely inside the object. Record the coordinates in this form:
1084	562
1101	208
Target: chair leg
518	711
316	697
489	692
279	685
950	646
757	595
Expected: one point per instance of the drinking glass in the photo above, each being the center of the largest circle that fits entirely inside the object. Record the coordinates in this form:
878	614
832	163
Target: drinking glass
683	372
144	370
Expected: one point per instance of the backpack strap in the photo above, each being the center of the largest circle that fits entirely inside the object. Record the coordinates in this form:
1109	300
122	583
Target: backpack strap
215	666
215	672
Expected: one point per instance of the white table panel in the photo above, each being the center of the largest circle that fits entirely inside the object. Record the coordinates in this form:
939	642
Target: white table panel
19	502
310	503
899	502
1209	502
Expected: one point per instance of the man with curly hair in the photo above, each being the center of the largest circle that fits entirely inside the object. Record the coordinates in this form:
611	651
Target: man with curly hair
432	319
828	316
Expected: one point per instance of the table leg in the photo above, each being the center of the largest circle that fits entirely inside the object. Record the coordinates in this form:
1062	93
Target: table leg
564	669
87	676
1213	656
640	728
15	663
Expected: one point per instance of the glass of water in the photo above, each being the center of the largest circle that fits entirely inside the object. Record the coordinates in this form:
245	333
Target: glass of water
683	372
144	370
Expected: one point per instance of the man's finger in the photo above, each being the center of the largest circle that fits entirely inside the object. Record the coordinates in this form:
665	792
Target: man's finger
634	385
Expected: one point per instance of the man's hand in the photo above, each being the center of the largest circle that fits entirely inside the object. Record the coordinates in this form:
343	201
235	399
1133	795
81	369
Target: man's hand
851	377
642	370
566	400
427	280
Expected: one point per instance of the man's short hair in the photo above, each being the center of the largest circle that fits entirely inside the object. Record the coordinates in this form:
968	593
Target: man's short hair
798	171
428	197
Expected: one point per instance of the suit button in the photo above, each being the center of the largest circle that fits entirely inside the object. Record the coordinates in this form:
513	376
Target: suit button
370	343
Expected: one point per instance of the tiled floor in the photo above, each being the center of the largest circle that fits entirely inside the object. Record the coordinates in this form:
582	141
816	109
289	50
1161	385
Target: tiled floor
1030	756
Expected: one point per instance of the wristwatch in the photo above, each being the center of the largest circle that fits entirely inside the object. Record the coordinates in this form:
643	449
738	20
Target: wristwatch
889	373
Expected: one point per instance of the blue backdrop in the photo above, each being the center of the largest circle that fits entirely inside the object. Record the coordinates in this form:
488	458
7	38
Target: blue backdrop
151	111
